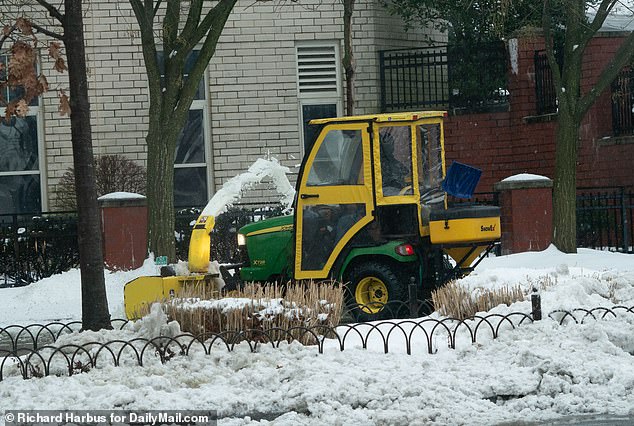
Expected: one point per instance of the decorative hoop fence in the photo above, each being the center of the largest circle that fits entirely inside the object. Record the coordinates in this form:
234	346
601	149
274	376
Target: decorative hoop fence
38	350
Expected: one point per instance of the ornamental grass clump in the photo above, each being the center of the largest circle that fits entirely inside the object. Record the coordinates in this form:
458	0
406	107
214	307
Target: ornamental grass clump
456	301
272	308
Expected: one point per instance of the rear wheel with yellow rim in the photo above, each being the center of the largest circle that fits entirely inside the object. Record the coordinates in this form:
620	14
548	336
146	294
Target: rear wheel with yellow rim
375	291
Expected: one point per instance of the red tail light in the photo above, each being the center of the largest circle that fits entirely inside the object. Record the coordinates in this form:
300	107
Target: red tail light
405	250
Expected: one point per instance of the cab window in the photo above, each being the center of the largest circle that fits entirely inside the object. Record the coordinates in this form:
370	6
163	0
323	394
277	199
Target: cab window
430	174
339	160
396	160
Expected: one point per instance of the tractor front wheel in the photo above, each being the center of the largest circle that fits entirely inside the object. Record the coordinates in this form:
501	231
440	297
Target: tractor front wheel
375	291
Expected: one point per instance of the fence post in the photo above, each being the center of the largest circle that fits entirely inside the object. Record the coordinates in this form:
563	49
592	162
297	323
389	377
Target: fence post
536	302
382	74
413	298
526	207
626	243
16	248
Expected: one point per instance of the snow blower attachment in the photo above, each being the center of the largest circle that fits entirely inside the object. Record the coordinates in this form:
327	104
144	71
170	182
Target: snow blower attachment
371	211
199	277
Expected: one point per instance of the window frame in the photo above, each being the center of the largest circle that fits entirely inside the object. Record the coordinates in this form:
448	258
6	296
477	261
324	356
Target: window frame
37	112
318	98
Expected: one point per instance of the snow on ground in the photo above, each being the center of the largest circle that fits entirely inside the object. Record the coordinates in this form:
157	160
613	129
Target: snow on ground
58	298
533	373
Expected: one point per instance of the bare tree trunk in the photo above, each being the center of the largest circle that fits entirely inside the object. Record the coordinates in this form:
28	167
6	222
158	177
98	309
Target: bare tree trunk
95	314
348	57
565	184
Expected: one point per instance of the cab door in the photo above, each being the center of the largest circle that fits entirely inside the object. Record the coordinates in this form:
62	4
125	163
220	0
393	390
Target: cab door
334	200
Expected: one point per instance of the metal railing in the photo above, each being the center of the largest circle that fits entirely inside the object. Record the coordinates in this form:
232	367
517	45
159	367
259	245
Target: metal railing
604	219
33	349
33	247
458	77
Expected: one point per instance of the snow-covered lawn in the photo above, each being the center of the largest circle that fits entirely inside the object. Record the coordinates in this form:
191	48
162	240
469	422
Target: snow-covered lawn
534	372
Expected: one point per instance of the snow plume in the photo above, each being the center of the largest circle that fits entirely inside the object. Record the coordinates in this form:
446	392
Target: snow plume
232	190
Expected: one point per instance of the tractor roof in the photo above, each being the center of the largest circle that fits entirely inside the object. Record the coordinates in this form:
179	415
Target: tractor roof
393	116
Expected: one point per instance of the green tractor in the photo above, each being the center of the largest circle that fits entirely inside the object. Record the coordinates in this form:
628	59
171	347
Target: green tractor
370	211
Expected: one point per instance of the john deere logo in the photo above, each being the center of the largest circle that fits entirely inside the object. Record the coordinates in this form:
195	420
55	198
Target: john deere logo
489	228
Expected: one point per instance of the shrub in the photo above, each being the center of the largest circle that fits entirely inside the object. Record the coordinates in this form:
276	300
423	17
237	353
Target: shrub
453	300
113	173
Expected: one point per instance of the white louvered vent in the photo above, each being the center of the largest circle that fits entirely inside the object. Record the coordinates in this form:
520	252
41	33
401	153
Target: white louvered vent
317	69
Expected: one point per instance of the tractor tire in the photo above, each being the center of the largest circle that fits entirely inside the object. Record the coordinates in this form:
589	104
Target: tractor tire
376	291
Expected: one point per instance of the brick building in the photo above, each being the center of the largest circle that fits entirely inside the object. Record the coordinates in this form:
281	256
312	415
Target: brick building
258	93
519	140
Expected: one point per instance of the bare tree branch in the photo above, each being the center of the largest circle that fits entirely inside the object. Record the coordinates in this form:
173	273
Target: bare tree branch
49	33
52	10
7	35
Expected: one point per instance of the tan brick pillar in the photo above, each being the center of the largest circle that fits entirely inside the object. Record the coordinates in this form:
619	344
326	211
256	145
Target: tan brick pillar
526	204
124	229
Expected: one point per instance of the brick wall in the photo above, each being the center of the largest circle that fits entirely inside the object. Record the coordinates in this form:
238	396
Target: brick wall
515	141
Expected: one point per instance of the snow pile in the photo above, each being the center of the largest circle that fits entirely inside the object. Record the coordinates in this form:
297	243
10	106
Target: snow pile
155	324
58	298
524	177
121	196
588	279
232	190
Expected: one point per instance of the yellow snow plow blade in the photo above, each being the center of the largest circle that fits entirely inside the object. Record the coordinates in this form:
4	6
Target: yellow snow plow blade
141	293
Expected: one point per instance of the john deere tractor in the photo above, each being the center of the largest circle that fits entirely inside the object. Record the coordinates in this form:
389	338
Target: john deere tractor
370	211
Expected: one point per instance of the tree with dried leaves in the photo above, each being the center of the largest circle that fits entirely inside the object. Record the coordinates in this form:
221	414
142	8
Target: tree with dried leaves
21	36
186	26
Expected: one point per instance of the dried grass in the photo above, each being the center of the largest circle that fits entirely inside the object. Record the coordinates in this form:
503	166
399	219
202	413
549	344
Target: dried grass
453	300
260	307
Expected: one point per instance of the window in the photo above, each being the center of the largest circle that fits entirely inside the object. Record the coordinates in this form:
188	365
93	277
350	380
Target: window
192	149
430	173
318	86
20	162
339	160
396	160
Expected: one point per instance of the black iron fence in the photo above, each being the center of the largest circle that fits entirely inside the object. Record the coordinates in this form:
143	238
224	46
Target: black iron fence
32	351
38	246
33	247
486	198
605	219
468	77
623	102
